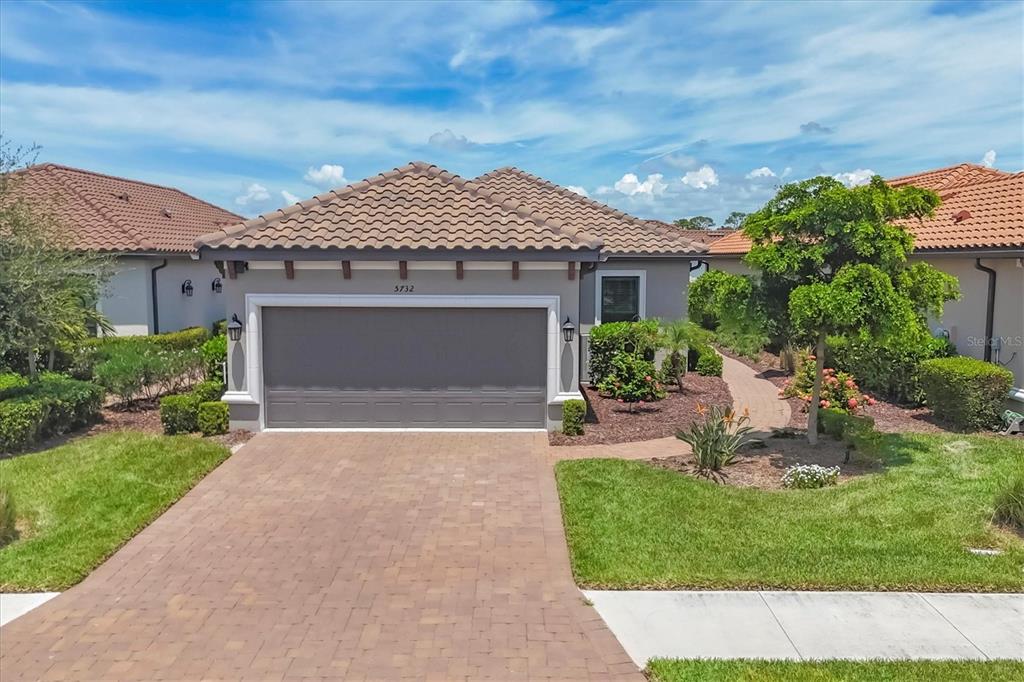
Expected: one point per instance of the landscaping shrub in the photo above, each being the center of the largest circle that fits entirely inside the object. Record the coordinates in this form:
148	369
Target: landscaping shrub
843	425
573	412
1009	503
53	405
965	392
716	439
214	353
8	518
806	476
208	391
641	338
632	380
193	337
220	327
180	413
212	418
710	293
10	383
889	367
839	390
21	420
709	362
133	368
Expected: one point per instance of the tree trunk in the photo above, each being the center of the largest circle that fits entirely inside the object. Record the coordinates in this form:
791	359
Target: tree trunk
51	358
812	411
32	364
679	366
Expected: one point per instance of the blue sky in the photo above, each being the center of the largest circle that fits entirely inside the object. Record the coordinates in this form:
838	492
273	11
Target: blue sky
664	110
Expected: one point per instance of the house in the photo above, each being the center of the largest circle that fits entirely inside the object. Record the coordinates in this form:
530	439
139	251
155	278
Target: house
976	235
417	299
159	284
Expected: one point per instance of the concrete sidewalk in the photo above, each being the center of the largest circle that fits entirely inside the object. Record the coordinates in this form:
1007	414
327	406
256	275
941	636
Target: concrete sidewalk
16	604
813	625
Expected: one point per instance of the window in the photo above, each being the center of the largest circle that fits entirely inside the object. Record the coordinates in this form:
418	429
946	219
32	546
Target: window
620	296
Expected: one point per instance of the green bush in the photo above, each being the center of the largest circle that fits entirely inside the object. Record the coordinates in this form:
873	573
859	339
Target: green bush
844	426
8	518
21	421
208	391
193	337
212	418
632	379
889	367
709	362
573	412
710	293
214	352
179	413
641	338
220	327
133	368
966	393
1009	503
11	383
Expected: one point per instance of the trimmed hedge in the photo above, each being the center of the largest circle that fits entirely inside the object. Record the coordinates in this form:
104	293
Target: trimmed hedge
212	418
889	367
843	425
208	391
215	354
966	393
607	340
53	405
193	337
709	362
573	412
179	413
10	383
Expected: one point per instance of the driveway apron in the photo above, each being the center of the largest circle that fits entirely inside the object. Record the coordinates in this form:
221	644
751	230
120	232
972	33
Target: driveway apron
349	556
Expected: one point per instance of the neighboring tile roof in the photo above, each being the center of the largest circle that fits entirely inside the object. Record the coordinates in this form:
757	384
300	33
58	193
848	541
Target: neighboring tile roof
622	233
982	208
701	236
113	214
417	206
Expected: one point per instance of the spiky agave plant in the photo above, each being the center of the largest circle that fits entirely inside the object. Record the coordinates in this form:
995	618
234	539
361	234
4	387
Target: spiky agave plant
716	439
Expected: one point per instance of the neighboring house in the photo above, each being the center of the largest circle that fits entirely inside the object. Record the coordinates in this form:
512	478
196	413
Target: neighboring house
705	237
976	235
418	299
151	232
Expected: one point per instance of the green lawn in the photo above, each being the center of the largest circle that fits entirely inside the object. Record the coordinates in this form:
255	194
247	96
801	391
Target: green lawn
822	671
78	503
630	525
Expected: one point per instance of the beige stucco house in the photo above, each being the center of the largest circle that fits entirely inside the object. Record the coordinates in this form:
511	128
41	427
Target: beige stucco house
976	235
159	284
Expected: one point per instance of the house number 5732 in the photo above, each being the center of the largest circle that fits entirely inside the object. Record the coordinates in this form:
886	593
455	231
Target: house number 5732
404	288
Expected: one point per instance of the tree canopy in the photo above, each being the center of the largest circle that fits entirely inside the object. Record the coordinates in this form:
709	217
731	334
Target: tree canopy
697	222
735	219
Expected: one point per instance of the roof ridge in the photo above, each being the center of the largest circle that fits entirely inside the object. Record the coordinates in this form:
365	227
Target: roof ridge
90	198
587	200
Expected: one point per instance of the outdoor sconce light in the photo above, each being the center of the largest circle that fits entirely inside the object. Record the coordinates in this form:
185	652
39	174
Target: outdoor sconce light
568	330
186	287
235	328
217	285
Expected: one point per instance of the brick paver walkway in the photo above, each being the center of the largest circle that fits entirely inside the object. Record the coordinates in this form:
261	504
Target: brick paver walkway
342	556
749	391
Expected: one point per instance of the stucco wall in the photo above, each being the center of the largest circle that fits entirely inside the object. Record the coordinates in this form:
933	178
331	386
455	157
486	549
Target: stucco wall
668	282
126	302
734	265
434	278
178	311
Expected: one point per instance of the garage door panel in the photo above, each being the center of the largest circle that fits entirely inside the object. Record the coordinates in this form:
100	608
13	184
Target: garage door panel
355	367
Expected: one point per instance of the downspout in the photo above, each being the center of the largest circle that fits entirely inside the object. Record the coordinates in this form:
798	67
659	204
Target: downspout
990	306
152	289
584	269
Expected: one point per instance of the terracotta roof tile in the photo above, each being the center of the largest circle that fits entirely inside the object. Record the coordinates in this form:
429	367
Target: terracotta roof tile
700	236
622	233
417	206
108	213
981	208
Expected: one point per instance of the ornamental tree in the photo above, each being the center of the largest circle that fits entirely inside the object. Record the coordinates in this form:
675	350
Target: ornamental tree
844	252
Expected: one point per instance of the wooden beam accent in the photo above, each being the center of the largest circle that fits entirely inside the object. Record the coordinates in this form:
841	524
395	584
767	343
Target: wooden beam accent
289	269
403	269
572	270
515	269
346	269
232	270
459	270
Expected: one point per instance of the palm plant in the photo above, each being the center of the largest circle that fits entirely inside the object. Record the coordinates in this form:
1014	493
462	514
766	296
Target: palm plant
677	338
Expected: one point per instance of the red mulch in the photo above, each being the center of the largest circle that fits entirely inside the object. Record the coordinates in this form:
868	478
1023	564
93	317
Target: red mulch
762	467
889	417
609	421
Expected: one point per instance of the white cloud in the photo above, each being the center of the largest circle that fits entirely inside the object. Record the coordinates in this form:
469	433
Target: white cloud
786	172
253	194
702	178
449	141
289	197
989	160
328	175
861	176
578	190
762	172
630	185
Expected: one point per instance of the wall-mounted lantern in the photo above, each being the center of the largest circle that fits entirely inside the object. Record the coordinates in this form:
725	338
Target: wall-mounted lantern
186	287
234	328
568	330
217	286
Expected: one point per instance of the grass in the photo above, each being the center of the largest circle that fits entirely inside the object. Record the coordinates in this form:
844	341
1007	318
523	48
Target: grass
630	525
822	671
78	503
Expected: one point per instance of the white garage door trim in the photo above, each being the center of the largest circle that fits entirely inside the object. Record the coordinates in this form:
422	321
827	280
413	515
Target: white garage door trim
254	303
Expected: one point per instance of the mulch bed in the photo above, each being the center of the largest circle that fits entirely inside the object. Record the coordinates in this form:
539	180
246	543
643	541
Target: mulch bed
609	421
889	417
762	466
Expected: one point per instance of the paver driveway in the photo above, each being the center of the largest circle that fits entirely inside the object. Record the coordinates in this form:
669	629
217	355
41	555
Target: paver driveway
351	556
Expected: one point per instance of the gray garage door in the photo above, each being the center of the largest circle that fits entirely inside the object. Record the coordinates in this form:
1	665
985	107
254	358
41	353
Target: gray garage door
404	367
